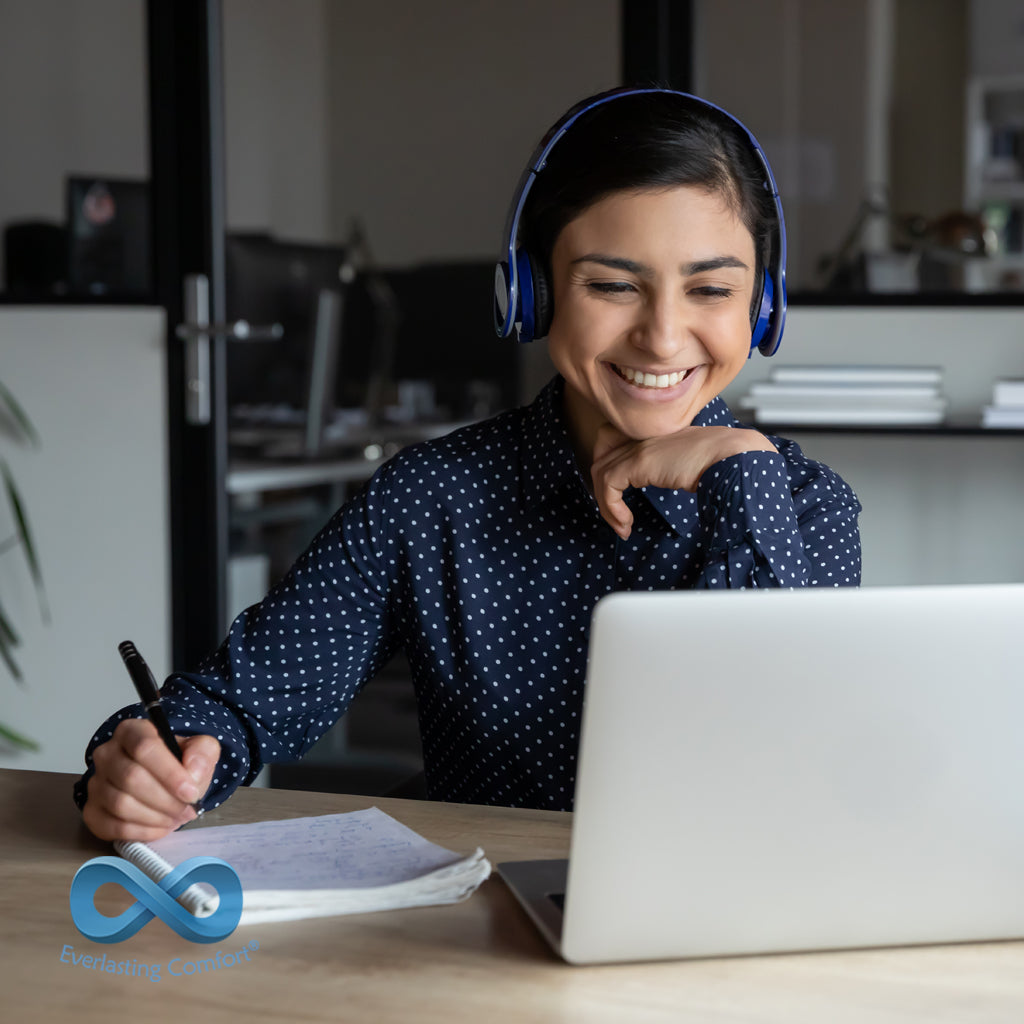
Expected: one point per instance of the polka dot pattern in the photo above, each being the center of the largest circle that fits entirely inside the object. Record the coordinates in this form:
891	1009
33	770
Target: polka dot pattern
482	555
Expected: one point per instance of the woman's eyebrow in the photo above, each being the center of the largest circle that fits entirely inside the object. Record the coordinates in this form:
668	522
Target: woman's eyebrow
642	270
616	263
713	263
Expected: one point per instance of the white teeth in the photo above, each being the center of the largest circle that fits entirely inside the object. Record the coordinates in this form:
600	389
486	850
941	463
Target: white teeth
650	380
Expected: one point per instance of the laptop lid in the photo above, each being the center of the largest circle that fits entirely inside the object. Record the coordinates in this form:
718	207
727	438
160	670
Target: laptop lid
763	771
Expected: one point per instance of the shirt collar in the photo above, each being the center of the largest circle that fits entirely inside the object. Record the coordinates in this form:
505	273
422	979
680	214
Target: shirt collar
547	458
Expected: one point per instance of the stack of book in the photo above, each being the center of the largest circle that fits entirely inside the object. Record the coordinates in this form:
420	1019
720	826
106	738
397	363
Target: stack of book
1007	408
850	395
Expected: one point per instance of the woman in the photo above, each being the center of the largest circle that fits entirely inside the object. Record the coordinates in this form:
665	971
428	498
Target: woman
648	245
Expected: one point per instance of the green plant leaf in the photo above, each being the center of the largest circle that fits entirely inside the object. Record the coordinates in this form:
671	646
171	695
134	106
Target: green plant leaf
12	666
8	635
9	639
17	415
25	534
16	738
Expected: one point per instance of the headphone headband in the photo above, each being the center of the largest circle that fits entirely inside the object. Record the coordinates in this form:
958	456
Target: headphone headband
514	284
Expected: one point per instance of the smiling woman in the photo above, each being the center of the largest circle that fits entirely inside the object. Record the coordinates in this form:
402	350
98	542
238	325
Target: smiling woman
670	300
658	272
655	269
652	296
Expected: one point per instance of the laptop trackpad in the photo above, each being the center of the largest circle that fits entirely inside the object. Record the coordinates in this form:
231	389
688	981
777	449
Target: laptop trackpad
539	885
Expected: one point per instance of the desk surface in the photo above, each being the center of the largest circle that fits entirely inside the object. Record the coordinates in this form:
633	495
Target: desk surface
476	961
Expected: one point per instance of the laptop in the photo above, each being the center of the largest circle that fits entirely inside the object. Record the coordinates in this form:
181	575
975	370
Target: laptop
793	770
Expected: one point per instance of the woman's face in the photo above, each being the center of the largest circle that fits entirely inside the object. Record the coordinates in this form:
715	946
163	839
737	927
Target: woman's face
652	295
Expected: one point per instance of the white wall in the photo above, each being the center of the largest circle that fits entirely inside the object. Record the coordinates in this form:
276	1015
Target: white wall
795	75
96	493
276	59
414	117
72	99
436	107
996	37
936	509
927	109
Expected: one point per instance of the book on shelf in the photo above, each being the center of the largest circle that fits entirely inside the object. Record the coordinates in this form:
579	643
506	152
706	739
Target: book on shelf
850	394
1005	416
1009	392
798	414
1007	408
320	866
858	374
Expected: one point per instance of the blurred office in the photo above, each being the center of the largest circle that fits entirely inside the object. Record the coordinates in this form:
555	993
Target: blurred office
326	183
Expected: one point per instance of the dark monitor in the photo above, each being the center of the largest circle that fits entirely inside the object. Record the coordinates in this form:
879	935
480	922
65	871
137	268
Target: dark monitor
269	281
444	336
436	319
109	242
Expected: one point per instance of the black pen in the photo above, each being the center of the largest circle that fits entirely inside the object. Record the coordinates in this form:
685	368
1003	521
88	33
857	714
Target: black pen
146	688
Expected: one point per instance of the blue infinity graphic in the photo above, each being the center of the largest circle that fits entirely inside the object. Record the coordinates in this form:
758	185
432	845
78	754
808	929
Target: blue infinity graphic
155	899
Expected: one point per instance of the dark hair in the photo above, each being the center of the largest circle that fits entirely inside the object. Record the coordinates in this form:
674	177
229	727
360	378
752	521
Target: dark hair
648	141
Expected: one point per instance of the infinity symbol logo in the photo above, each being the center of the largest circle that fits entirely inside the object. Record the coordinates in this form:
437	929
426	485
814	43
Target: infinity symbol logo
155	899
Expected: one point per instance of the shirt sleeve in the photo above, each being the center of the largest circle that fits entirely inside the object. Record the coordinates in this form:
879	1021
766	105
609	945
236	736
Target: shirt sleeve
289	666
778	520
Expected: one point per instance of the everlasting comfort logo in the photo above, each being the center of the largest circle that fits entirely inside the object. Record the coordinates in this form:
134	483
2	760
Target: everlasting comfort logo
155	899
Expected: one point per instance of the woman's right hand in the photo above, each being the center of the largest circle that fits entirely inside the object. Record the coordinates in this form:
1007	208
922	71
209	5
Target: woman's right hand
140	791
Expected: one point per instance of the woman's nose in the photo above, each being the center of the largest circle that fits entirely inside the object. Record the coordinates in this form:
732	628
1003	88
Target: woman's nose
663	328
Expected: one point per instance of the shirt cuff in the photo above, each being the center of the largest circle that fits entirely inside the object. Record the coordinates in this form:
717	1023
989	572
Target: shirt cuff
235	767
746	503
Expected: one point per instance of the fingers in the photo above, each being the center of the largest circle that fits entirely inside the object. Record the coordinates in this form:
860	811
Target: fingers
610	476
139	789
608	493
200	755
675	461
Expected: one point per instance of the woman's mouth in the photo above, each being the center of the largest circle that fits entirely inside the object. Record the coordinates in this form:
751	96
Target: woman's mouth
657	381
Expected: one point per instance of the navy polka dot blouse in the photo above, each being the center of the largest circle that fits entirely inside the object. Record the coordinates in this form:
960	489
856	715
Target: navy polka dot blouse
482	554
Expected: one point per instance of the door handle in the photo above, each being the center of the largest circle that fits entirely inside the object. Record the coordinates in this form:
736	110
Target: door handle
196	332
237	330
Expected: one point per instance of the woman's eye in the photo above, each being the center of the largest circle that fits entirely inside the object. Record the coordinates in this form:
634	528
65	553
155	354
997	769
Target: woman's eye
611	287
713	292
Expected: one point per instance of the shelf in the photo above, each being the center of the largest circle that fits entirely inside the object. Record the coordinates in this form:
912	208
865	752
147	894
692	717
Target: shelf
939	430
994	190
993	132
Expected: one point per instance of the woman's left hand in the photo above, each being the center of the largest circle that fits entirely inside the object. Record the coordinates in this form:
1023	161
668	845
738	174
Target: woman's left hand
675	462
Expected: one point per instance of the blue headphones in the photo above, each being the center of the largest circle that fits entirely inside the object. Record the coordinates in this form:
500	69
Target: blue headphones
522	294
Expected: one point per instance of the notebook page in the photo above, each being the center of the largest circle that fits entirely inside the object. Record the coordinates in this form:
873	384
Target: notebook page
358	850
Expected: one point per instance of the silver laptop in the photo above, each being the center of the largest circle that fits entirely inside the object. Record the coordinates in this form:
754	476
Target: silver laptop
769	771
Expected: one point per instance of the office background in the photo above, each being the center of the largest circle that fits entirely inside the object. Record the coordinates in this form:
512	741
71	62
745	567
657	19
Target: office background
417	118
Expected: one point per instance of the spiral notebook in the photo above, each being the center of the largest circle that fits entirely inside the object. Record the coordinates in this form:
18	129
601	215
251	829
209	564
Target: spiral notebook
320	866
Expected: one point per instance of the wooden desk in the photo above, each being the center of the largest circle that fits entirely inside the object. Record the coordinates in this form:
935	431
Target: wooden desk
477	961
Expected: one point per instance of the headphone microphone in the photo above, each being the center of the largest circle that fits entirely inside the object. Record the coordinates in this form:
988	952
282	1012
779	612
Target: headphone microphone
522	293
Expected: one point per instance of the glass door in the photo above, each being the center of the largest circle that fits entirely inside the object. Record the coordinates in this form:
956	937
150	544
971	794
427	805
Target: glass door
187	174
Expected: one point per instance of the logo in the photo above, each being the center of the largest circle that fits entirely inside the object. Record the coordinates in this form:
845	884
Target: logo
155	899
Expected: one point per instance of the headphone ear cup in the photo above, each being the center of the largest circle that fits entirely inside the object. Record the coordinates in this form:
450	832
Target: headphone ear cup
543	300
502	299
763	320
